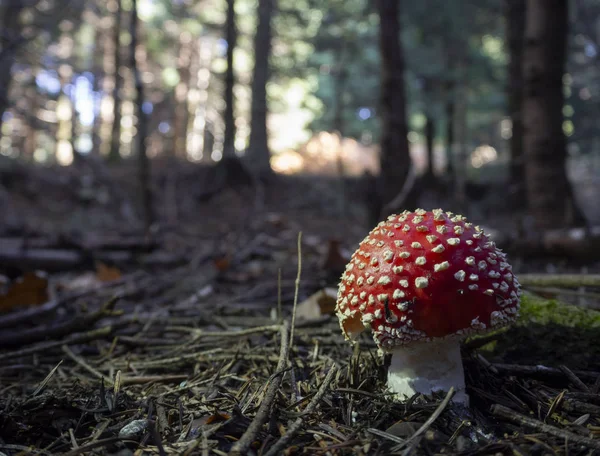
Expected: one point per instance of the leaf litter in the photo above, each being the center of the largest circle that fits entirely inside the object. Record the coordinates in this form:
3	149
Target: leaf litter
207	358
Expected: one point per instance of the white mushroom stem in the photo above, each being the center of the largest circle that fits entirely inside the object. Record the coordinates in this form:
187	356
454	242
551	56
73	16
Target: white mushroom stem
425	367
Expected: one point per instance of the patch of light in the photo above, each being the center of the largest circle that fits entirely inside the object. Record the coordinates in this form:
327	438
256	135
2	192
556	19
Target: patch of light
127	121
288	162
63	110
84	143
221	47
40	155
216	155
364	113
506	128
413	136
164	127
64	152
482	155
147	107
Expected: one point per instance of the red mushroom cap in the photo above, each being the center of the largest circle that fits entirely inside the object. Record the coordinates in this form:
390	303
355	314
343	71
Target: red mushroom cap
423	275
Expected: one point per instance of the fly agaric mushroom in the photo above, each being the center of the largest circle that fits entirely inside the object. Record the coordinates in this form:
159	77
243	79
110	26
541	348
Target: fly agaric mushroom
422	281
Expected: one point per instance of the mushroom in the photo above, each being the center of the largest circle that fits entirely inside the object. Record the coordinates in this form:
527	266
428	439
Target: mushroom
422	281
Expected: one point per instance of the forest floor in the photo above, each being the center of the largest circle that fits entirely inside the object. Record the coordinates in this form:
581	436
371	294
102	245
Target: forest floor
181	340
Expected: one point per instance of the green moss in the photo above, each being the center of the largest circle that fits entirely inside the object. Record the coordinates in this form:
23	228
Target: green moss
544	311
551	333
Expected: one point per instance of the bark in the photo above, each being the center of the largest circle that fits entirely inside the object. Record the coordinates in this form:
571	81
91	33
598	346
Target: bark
181	114
10	40
142	126
450	109
429	136
231	37
394	156
515	30
549	194
115	139
258	149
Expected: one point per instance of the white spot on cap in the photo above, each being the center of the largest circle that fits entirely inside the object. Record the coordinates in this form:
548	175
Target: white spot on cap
420	211
474	277
417	219
469	242
397	269
360	281
470	260
388	255
363	294
398	243
460	275
431	238
441	266
416	245
382	297
438	215
374	261
370	280
473	287
453	241
398	294
404	255
422	229
482	265
442	229
406	228
458	229
384	280
420	261
489	292
404	283
377	313
421	282
438	248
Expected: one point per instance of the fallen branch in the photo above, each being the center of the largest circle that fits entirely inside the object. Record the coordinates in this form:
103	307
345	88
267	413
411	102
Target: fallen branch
560	280
522	420
40	333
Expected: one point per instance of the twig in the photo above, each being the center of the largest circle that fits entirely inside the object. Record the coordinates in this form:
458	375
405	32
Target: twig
410	442
574	379
85	365
560	280
94	334
37	334
508	414
46	380
241	446
296	288
278	447
541	370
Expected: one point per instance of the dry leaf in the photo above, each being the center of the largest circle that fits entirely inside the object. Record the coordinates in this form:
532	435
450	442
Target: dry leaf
29	290
106	273
319	304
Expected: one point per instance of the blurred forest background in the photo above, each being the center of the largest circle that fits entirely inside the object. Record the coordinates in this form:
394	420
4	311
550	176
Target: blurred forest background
486	107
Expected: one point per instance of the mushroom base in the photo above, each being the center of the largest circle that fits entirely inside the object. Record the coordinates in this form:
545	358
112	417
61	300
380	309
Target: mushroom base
425	367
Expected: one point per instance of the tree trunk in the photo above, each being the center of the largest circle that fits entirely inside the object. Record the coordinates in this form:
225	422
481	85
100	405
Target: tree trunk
231	37
549	193
450	109
394	156
10	29
142	126
429	137
258	149
515	30
115	138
